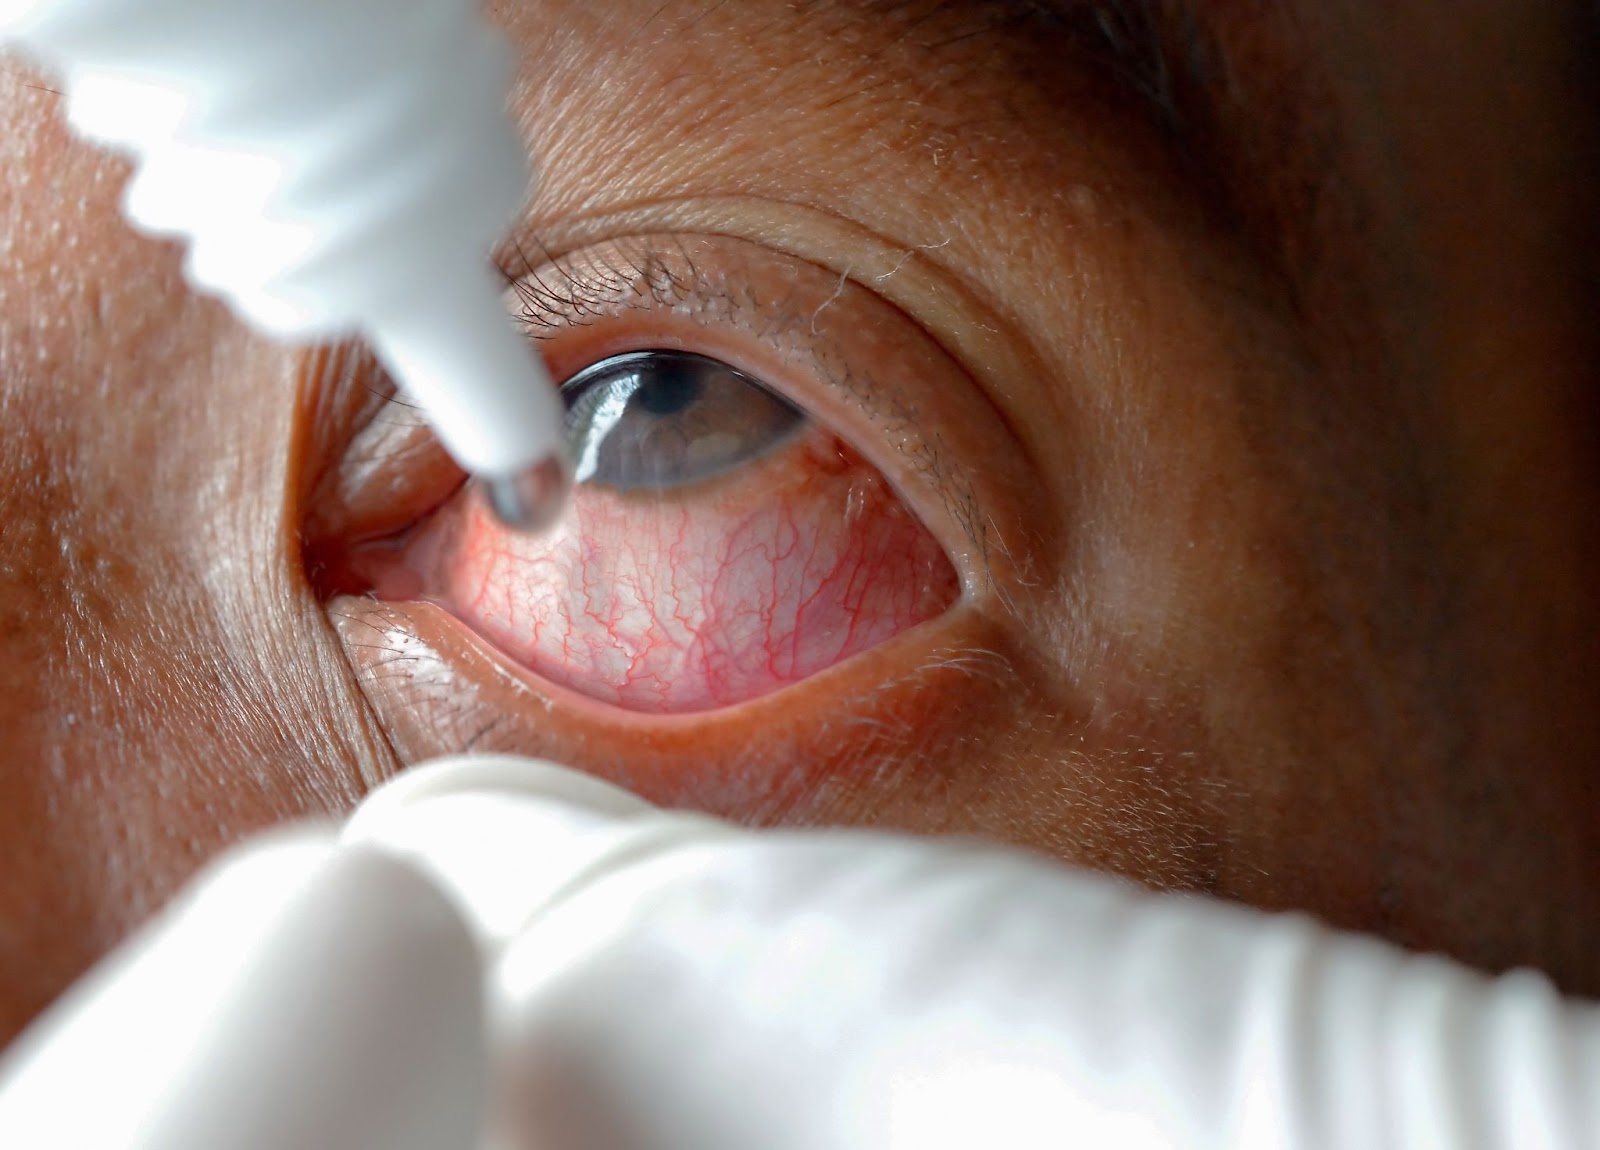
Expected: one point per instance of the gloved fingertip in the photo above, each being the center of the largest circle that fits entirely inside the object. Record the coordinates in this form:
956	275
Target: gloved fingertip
510	774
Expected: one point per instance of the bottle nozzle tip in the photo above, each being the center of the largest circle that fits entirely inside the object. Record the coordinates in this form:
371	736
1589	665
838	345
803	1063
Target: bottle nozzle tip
531	500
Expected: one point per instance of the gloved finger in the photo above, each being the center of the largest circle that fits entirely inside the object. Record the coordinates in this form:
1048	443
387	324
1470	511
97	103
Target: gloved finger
302	996
661	981
837	991
507	837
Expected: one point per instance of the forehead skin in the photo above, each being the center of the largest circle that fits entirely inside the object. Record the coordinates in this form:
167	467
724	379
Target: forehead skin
1315	310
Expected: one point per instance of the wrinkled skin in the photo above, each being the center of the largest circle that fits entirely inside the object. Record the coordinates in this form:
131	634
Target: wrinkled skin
1284	581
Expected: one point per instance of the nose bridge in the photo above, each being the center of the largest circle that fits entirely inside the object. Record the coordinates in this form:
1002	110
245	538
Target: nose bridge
69	578
56	615
47	596
160	693
136	736
167	685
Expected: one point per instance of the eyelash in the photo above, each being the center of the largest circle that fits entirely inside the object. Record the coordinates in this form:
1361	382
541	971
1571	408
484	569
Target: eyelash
546	308
900	412
549	302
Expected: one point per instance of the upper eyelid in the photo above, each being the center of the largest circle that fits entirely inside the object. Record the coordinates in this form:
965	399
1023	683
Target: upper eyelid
554	296
962	319
637	273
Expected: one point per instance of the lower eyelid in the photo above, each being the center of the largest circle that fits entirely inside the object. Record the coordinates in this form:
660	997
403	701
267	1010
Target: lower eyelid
695	602
862	728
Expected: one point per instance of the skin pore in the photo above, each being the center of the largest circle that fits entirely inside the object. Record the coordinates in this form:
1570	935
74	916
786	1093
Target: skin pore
1242	365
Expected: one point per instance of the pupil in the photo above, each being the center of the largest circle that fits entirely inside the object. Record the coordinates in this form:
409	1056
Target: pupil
672	387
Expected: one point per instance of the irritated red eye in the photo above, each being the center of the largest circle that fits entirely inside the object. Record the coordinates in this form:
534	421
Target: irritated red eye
721	546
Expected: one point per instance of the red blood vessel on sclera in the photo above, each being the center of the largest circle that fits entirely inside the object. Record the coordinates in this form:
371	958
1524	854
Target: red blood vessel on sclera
700	597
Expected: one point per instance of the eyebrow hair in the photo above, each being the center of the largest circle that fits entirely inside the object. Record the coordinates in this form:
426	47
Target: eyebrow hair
1243	106
1159	51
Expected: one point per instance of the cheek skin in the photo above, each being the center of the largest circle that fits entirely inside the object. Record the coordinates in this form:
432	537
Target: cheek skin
703	599
972	736
166	685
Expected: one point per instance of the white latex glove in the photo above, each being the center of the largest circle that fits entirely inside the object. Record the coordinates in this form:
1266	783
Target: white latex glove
660	980
303	994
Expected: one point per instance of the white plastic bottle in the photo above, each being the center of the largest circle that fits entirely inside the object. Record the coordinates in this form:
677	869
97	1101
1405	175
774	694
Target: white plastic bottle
339	166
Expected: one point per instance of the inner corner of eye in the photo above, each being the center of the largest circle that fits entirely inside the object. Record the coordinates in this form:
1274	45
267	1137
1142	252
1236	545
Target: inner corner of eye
721	546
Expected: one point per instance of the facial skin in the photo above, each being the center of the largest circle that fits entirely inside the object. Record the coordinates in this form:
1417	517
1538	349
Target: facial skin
1262	382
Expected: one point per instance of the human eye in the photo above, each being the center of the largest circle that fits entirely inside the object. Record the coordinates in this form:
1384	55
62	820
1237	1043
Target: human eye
722	543
760	501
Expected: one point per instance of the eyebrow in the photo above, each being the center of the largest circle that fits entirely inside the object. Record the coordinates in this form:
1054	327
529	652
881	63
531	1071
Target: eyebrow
1171	52
1154	47
1158	50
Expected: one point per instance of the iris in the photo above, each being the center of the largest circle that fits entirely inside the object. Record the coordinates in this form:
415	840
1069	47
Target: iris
652	421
